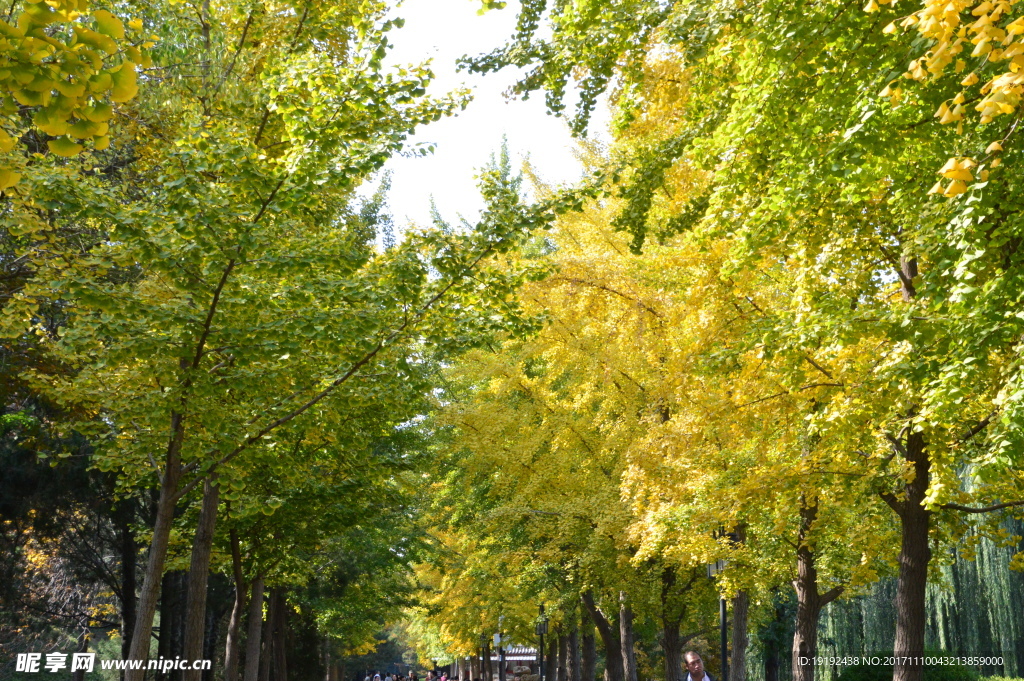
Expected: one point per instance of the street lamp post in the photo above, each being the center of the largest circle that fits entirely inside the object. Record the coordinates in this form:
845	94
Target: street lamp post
542	628
499	644
723	612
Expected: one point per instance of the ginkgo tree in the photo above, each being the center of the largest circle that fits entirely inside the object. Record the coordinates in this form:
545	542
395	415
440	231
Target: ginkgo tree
813	154
221	299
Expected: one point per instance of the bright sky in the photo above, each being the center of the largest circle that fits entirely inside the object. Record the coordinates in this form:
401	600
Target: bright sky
444	30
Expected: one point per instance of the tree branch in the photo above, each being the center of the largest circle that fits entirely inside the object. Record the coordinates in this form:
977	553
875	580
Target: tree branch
987	509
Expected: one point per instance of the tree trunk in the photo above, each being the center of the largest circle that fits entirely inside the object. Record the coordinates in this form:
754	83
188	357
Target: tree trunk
563	653
150	591
588	661
198	577
809	600
172	619
254	627
609	639
474	668
915	554
672	613
772	662
626	638
573	654
673	650
280	634
232	648
129	561
551	664
267	656
488	667
740	637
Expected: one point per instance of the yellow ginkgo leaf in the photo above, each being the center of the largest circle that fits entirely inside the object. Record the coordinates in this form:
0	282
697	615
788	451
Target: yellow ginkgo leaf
70	89
135	24
108	24
83	129
101	143
125	86
993	148
8	178
62	146
951	164
955	188
6	141
98	112
100	82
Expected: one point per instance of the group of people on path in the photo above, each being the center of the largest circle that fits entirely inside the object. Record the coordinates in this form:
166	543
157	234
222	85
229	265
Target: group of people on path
694	668
411	677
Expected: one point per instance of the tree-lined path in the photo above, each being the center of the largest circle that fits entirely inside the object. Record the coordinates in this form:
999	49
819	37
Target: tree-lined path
775	328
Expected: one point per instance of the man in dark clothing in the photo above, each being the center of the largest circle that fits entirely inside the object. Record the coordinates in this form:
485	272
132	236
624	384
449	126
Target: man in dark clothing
695	667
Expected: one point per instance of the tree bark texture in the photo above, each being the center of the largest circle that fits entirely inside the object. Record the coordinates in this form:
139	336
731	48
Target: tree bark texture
626	638
609	639
809	600
573	660
740	638
588	655
148	595
551	663
129	564
254	629
488	665
915	554
198	578
267	656
740	612
563	654
232	647
172	619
